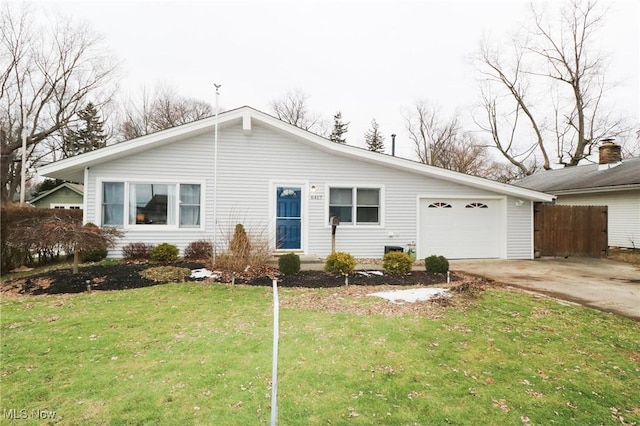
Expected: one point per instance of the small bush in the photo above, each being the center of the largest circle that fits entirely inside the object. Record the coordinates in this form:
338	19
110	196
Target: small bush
340	263
436	264
165	252
166	274
137	251
198	250
95	255
240	244
247	250
289	264
397	262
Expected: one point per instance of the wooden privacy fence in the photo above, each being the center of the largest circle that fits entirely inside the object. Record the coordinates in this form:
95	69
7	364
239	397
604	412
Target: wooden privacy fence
570	230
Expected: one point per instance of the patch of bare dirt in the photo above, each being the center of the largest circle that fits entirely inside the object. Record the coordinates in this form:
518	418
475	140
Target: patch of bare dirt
356	299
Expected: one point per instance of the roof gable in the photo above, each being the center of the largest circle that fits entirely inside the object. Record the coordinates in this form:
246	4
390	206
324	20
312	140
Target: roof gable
78	189
73	168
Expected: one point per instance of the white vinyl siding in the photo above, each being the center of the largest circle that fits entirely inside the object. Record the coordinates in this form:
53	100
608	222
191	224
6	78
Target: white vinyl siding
248	164
519	228
623	214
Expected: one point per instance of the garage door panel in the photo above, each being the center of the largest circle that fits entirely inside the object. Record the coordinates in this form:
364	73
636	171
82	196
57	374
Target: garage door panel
460	229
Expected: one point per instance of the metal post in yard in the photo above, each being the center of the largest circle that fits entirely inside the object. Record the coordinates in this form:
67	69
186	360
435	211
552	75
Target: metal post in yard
274	373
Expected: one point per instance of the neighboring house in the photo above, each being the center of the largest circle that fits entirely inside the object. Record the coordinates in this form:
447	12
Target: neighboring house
613	182
63	196
286	183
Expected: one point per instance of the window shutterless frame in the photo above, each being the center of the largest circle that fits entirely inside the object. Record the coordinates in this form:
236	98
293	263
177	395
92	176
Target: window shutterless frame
151	205
355	205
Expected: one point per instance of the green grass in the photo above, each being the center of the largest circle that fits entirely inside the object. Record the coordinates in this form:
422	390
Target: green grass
201	354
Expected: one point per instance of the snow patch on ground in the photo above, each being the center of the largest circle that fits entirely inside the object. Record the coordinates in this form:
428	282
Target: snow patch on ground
369	273
412	295
202	273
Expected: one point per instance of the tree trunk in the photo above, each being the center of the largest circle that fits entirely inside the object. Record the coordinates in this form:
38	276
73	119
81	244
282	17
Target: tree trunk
76	260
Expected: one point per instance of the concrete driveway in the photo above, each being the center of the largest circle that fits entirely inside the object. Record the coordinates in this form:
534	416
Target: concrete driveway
598	283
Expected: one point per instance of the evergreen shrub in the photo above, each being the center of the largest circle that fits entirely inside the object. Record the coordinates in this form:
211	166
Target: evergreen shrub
397	262
340	263
164	252
289	264
436	264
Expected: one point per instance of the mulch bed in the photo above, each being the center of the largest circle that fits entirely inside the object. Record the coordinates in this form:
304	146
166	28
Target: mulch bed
126	276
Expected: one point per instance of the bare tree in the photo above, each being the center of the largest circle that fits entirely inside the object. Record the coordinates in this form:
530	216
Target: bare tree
559	59
292	108
516	83
442	143
48	74
160	110
431	135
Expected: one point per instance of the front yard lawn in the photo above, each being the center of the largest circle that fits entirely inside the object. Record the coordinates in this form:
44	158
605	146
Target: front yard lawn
200	353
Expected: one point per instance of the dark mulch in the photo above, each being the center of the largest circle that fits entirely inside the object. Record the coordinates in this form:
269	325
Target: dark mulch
320	279
126	276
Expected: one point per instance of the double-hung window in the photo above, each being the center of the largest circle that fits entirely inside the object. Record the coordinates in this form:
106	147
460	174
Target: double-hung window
113	203
354	205
151	204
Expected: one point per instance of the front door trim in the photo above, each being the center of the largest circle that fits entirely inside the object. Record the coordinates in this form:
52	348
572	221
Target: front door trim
304	213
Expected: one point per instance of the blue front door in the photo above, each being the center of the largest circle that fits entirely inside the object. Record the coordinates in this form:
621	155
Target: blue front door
288	219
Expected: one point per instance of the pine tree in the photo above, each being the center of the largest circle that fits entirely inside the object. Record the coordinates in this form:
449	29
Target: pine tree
373	138
339	129
87	136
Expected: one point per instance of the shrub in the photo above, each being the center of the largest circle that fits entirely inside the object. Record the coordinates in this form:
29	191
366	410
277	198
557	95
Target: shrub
246	250
340	263
240	244
397	262
289	264
137	251
436	264
95	255
26	234
165	252
197	250
166	274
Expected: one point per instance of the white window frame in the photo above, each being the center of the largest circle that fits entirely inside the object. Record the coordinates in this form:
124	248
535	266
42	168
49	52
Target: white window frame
66	206
145	227
354	188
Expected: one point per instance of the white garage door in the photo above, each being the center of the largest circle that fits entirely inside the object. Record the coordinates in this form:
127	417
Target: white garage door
460	228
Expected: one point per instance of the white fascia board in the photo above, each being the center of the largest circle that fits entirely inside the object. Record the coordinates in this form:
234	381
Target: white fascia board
597	190
401	163
75	166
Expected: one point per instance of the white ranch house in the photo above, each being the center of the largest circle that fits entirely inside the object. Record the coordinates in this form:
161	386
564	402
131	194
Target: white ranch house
287	183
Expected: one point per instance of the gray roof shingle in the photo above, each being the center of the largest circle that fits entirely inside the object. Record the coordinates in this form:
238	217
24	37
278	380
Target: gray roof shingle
584	177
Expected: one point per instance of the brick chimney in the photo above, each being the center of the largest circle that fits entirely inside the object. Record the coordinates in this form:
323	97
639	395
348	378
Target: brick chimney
609	152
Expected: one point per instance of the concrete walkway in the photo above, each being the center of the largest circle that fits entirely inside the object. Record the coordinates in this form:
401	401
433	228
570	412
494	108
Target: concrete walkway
598	283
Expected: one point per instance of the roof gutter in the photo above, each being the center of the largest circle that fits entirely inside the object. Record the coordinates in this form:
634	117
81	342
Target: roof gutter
592	190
